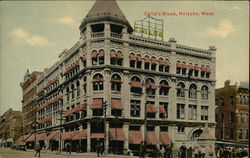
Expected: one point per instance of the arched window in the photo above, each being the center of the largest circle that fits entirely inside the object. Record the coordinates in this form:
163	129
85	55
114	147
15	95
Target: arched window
132	60
116	83
164	88
208	71
167	65
196	70
196	134
190	69
153	63
150	86
116	58
97	82
72	91
119	58
101	57
162	64
146	63
184	68
94	55
138	61
77	89
193	91
203	71
204	92
85	84
135	85
181	90
178	67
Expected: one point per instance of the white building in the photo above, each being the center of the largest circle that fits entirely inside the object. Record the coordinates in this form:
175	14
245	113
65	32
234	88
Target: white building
109	64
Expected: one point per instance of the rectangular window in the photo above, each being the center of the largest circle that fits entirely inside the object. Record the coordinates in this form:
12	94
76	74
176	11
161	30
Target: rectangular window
164	129
204	112
180	129
232	117
222	117
232	133
180	111
192	112
135	108
165	106
216	117
231	100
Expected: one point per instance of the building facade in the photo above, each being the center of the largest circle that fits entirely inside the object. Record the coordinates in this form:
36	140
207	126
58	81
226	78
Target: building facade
29	106
118	88
232	113
10	126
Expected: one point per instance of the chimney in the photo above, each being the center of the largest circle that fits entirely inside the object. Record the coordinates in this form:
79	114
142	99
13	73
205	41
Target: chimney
227	83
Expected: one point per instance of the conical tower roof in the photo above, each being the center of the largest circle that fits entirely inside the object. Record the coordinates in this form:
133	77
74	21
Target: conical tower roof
105	10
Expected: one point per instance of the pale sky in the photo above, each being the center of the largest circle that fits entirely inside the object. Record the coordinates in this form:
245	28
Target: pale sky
32	34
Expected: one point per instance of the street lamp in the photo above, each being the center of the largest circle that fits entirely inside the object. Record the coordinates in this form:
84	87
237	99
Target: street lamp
34	126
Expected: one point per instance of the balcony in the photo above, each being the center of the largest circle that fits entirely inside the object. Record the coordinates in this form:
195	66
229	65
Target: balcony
116	35
96	35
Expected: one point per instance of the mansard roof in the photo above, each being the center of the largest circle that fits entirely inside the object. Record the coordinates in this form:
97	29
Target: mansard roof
105	10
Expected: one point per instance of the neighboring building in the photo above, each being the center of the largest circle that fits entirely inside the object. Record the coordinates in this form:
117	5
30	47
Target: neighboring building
29	107
232	112
10	126
172	84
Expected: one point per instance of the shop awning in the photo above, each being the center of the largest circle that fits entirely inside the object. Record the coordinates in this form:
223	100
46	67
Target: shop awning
138	57
135	84
203	69
208	70
112	54
41	137
164	138
94	55
31	138
150	86
135	137
117	134
152	139
190	66
178	65
54	135
164	86
23	138
184	65
153	61
116	104
132	57
151	109
101	53
119	55
97	135
162	62
69	135
196	67
162	110
146	60
97	103
81	135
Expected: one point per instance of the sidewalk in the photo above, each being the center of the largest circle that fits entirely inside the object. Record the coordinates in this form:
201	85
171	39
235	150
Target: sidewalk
81	154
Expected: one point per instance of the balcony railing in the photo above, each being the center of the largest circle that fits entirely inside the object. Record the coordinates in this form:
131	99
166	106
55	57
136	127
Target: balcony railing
99	34
116	35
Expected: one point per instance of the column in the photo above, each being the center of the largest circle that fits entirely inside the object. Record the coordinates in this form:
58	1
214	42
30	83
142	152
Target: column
88	137
107	138
126	98
107	90
107	30
157	132
126	131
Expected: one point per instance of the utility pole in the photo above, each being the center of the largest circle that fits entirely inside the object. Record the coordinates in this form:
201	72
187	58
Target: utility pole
60	132
104	107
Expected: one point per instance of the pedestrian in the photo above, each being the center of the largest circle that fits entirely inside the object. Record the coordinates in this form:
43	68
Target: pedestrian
68	148
163	152
98	148
101	148
38	149
183	150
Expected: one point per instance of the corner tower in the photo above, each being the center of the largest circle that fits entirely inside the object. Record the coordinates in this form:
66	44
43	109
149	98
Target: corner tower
105	16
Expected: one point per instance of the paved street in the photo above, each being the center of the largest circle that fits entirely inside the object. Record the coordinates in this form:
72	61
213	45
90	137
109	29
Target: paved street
10	153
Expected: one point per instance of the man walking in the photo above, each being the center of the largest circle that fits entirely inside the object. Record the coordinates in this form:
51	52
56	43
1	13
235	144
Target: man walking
38	149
